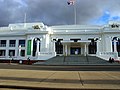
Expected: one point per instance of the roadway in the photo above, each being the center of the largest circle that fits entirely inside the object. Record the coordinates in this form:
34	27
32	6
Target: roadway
62	68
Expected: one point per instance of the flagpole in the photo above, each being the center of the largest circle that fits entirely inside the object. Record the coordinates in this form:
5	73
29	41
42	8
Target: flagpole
73	2
75	13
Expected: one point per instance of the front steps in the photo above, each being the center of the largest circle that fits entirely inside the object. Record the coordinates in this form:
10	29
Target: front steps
76	60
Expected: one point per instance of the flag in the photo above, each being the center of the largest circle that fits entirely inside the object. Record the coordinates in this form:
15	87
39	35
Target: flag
71	2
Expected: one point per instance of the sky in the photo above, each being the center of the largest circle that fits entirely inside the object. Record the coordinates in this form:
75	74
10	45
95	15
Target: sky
58	12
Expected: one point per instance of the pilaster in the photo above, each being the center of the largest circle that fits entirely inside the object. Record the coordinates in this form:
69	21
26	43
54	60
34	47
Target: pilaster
115	46
108	44
98	46
7	48
85	52
16	48
66	49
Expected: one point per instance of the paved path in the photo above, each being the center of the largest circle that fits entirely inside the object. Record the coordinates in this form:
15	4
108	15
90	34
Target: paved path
26	79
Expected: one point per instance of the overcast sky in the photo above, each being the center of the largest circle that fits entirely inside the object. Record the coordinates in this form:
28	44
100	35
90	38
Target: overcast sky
57	12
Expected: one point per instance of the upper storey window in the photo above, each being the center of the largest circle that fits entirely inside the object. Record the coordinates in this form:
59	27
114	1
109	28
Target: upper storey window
12	43
22	43
2	43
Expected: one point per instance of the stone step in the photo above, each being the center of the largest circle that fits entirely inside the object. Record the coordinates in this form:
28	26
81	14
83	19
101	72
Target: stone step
75	60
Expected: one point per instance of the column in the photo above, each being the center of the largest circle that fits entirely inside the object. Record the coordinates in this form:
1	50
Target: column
98	46
17	48
7	48
65	49
53	46
87	48
85	52
68	50
37	49
115	47
82	50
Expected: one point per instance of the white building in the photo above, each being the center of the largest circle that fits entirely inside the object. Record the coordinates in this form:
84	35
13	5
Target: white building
40	42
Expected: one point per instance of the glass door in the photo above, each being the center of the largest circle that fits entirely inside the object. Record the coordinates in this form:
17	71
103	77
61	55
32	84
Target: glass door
75	50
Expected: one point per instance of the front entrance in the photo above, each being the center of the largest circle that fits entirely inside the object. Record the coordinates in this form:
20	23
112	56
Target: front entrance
75	50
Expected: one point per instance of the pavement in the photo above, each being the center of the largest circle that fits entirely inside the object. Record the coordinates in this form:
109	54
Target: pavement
69	80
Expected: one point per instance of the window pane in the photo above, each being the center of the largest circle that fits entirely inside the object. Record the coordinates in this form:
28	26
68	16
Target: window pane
3	41
11	52
12	42
23	53
2	52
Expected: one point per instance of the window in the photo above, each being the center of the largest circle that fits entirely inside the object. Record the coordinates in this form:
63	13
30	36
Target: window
2	52
59	46
11	52
12	43
92	47
22	53
118	47
22	43
2	43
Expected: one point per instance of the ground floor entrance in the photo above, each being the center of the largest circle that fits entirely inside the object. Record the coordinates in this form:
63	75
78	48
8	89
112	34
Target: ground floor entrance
75	50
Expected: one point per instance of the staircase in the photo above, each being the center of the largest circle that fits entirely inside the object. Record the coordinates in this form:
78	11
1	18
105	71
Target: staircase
76	60
58	60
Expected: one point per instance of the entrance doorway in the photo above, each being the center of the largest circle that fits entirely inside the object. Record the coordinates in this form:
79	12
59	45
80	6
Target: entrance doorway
75	50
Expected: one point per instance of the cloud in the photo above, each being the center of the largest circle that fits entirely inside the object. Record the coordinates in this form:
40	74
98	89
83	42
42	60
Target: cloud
57	12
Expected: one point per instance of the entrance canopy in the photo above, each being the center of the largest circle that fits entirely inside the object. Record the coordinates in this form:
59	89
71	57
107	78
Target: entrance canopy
78	42
75	48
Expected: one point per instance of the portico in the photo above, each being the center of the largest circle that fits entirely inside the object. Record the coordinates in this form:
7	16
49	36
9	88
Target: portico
75	48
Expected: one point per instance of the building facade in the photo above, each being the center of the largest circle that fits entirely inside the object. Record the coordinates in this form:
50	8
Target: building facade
40	42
